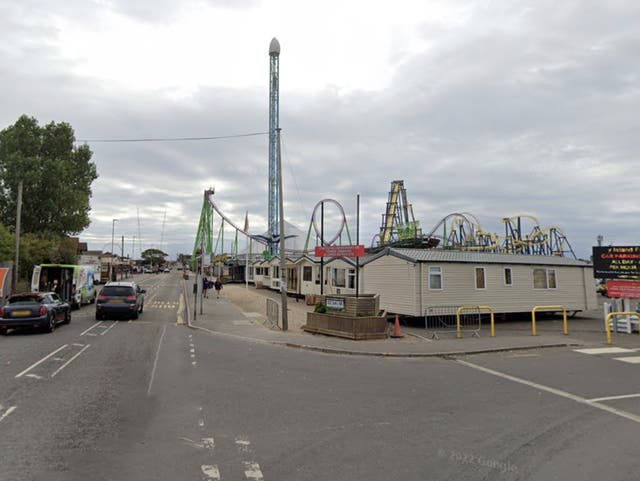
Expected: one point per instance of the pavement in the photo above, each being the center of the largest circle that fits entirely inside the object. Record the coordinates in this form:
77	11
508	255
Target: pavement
240	312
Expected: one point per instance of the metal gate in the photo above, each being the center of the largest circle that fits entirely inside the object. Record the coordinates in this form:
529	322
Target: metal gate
440	320
273	312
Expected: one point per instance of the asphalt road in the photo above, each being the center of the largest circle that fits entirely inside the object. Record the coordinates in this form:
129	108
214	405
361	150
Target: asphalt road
155	400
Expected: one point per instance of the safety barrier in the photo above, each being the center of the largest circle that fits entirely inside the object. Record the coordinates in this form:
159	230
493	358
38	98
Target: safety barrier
477	308
565	325
273	312
443	319
621	313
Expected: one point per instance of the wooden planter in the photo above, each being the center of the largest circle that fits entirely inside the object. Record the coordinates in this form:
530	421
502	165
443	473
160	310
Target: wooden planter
360	318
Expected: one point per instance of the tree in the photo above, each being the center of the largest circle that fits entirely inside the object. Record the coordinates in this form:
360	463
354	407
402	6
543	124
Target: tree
56	176
7	245
154	257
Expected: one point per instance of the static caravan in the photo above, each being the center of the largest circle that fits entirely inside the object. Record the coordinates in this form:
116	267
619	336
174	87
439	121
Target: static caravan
409	281
340	276
260	272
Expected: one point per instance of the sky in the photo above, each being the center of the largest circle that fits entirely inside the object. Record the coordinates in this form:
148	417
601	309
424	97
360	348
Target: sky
497	108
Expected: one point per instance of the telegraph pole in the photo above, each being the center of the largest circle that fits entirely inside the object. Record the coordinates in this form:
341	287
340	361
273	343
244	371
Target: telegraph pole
16	264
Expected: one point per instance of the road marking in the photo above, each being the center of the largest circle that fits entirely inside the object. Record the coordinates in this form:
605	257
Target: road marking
108	329
71	360
180	319
7	412
34	376
210	472
78	344
201	422
555	391
631	360
155	361
208	443
252	471
41	361
242	444
87	330
614	398
603	350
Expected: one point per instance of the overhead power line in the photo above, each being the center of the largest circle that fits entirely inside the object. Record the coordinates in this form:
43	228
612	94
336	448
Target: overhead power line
174	139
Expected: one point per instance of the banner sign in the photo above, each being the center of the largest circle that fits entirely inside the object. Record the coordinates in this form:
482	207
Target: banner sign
616	262
335	303
623	289
339	251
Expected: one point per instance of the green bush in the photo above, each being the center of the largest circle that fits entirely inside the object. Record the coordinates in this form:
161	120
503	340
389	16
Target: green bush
320	308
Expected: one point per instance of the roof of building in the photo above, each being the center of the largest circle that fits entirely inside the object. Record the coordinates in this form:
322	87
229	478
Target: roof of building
448	255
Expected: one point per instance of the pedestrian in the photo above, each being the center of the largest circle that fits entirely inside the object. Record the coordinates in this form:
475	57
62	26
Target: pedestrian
56	287
205	287
218	286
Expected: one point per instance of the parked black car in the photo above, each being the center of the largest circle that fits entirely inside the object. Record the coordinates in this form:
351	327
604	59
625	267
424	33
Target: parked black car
120	299
43	310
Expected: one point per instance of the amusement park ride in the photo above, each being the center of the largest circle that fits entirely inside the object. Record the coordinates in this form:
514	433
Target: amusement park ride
523	233
399	227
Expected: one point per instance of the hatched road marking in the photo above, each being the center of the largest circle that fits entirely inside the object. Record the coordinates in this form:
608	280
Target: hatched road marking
603	350
630	360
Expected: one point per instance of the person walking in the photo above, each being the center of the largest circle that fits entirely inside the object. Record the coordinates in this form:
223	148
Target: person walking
205	287
218	287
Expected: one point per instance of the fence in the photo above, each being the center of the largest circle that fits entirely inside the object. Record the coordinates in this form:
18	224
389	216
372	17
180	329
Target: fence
273	312
565	326
444	319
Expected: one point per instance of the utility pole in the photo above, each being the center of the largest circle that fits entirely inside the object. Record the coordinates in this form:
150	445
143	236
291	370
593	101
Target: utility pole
111	271
283	262
121	258
357	243
16	264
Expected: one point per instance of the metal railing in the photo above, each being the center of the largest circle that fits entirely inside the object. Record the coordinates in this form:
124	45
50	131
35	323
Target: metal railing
477	309
621	313
565	326
273	312
444	319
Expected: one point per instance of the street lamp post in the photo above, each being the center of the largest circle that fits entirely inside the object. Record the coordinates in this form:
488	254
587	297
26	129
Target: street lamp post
113	230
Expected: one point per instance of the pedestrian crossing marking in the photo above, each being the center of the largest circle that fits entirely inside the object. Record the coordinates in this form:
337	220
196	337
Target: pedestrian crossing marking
630	360
163	305
604	350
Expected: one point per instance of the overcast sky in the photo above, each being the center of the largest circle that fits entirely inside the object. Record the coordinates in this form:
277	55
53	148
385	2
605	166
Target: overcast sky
496	108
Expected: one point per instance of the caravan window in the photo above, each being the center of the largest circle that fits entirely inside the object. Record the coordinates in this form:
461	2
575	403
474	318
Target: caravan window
307	273
435	278
480	280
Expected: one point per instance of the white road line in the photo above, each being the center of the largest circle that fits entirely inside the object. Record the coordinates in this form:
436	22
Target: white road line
614	398
243	444
631	360
34	376
78	344
557	392
603	350
201	422
71	360
41	361
87	330
210	471
7	412
252	471
108	329
155	361
208	443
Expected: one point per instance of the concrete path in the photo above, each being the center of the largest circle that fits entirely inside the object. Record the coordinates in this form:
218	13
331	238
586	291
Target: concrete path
241	312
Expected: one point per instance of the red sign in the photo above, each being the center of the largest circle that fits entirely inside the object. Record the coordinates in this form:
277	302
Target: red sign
339	251
623	289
